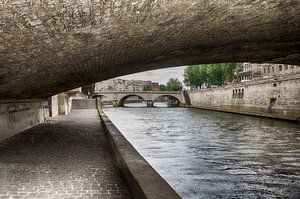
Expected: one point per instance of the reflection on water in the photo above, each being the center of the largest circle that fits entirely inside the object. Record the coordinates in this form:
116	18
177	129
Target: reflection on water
143	104
207	154
135	105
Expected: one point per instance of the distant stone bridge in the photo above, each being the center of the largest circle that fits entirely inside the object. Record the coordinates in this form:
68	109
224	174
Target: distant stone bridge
118	98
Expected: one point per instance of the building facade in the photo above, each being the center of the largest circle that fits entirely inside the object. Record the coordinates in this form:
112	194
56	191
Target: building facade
249	72
254	72
118	84
278	70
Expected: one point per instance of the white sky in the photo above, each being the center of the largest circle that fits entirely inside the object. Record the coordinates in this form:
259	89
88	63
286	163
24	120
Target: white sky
161	75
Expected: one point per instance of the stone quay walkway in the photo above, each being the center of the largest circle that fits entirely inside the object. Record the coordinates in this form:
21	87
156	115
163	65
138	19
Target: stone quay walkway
65	157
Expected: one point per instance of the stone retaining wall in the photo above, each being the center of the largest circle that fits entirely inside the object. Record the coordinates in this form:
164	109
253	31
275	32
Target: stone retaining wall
17	116
269	98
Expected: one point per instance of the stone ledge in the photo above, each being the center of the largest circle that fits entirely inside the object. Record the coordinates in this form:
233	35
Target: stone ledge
143	181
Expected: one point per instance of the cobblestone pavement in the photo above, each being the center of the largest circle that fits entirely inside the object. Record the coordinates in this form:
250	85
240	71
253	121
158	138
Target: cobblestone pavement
66	157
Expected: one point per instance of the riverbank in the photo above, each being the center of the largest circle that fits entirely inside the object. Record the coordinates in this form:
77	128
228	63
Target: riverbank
278	98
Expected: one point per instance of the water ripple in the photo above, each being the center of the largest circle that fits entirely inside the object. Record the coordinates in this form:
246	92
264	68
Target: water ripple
207	154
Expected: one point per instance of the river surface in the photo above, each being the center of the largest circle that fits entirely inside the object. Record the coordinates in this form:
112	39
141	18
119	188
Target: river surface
208	154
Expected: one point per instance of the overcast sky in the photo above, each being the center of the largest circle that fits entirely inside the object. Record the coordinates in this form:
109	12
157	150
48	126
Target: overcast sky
160	75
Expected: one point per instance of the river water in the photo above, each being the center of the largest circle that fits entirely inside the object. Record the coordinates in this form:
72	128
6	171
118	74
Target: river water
208	154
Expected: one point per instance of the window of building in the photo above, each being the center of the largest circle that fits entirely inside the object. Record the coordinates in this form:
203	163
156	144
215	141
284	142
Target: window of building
268	69
273	69
235	93
272	101
286	66
264	70
280	67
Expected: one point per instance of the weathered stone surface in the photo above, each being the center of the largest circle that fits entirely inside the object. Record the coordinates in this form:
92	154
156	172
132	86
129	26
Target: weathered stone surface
17	116
51	46
83	104
271	98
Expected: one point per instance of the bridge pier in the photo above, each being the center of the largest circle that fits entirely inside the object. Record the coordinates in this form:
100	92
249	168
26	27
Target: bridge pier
174	102
115	103
149	103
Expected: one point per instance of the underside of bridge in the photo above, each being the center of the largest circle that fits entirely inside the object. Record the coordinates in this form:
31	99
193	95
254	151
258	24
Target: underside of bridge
122	101
47	47
169	99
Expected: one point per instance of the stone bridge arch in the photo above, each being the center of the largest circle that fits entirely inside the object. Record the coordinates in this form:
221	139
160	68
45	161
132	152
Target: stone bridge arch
175	100
90	41
121	101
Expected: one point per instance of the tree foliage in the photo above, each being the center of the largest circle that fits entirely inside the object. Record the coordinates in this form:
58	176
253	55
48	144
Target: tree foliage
210	74
174	85
147	88
162	87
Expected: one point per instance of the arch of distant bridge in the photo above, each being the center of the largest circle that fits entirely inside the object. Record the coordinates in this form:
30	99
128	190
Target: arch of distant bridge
118	98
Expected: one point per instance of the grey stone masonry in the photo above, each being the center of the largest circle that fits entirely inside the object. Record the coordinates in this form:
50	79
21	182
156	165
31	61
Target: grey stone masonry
47	47
66	157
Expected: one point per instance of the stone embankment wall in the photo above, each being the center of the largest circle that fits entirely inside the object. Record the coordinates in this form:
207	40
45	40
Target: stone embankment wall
271	98
17	116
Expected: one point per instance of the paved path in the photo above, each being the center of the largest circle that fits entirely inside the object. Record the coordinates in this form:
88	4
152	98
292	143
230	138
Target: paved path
66	157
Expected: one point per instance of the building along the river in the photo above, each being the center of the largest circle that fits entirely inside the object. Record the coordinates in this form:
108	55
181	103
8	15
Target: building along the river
118	84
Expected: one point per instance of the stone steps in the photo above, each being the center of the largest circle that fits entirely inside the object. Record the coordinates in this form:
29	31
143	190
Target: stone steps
84	104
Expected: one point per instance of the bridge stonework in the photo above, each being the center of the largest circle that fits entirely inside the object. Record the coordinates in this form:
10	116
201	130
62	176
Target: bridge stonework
118	98
47	47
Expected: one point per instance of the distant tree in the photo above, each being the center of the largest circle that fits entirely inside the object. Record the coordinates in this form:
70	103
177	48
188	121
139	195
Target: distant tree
215	74
147	88
229	70
191	76
195	76
238	68
174	85
162	87
210	74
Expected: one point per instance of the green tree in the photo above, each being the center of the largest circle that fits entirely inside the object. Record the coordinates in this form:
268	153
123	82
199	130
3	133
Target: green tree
215	74
147	88
210	74
162	87
229	70
191	76
174	85
195	76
